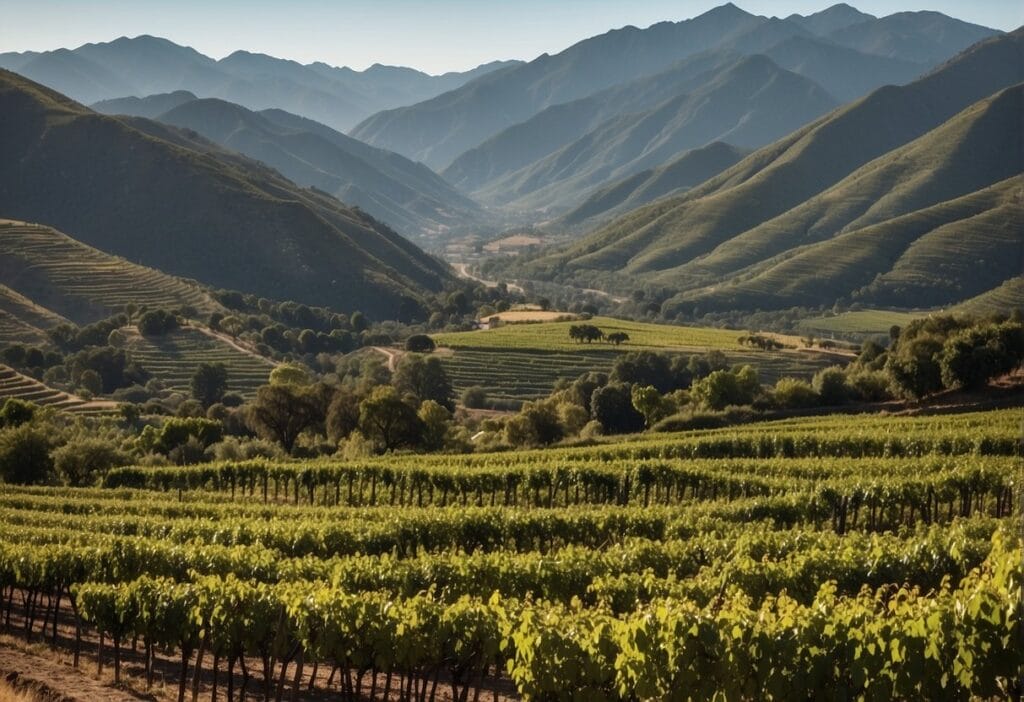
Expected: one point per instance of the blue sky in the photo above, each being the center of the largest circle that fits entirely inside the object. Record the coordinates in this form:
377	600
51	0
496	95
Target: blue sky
432	35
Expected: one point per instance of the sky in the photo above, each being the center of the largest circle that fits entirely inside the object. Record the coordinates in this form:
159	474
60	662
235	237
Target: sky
431	35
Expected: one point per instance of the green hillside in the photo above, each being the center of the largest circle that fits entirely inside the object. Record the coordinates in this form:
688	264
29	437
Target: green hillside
687	171
1008	296
54	278
902	163
186	207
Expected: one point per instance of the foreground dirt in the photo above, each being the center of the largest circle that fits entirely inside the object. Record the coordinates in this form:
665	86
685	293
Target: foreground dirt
46	678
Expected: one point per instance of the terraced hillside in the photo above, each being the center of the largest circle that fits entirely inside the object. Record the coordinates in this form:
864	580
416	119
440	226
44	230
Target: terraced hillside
174	358
511	376
15	385
53	276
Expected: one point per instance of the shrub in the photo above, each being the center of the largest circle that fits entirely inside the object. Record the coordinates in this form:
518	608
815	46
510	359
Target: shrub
419	343
474	397
16	412
157	323
830	384
81	461
791	393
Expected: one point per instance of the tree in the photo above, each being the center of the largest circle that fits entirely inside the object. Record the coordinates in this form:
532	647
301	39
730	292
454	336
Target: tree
972	357
289	374
830	384
209	383
723	388
342	415
544	303
613	407
387	421
358	322
914	365
585	333
537	424
435	420
157	323
281	412
791	393
643	368
474	397
79	462
25	455
420	343
16	412
651	403
617	338
426	379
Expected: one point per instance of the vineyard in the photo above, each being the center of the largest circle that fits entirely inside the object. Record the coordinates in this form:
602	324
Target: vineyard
174	357
870	558
525	374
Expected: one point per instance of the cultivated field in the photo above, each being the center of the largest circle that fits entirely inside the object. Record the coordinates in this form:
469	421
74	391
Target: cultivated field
554	336
860	322
82	283
174	358
523	362
864	556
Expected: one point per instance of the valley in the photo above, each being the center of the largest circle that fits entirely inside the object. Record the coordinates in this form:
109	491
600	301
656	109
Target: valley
616	352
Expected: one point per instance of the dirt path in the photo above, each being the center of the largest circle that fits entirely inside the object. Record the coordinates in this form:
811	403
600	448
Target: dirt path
463	270
390	354
230	341
54	681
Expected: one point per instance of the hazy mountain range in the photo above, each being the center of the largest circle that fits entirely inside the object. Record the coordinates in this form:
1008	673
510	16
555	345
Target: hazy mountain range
439	130
147	65
726	162
407	195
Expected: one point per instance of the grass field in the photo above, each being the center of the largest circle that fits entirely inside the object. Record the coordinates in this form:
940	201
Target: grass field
554	336
174	358
860	322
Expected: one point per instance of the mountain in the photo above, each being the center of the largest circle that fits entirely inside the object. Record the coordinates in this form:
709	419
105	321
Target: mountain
439	130
148	65
406	195
832	19
170	200
686	171
151	106
559	125
846	73
751	103
843	174
925	225
922	37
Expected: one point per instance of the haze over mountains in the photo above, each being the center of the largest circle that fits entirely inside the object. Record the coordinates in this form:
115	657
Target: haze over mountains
147	65
725	162
438	130
407	195
910	196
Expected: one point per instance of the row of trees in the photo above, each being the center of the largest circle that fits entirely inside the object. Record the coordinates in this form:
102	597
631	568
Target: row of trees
589	333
